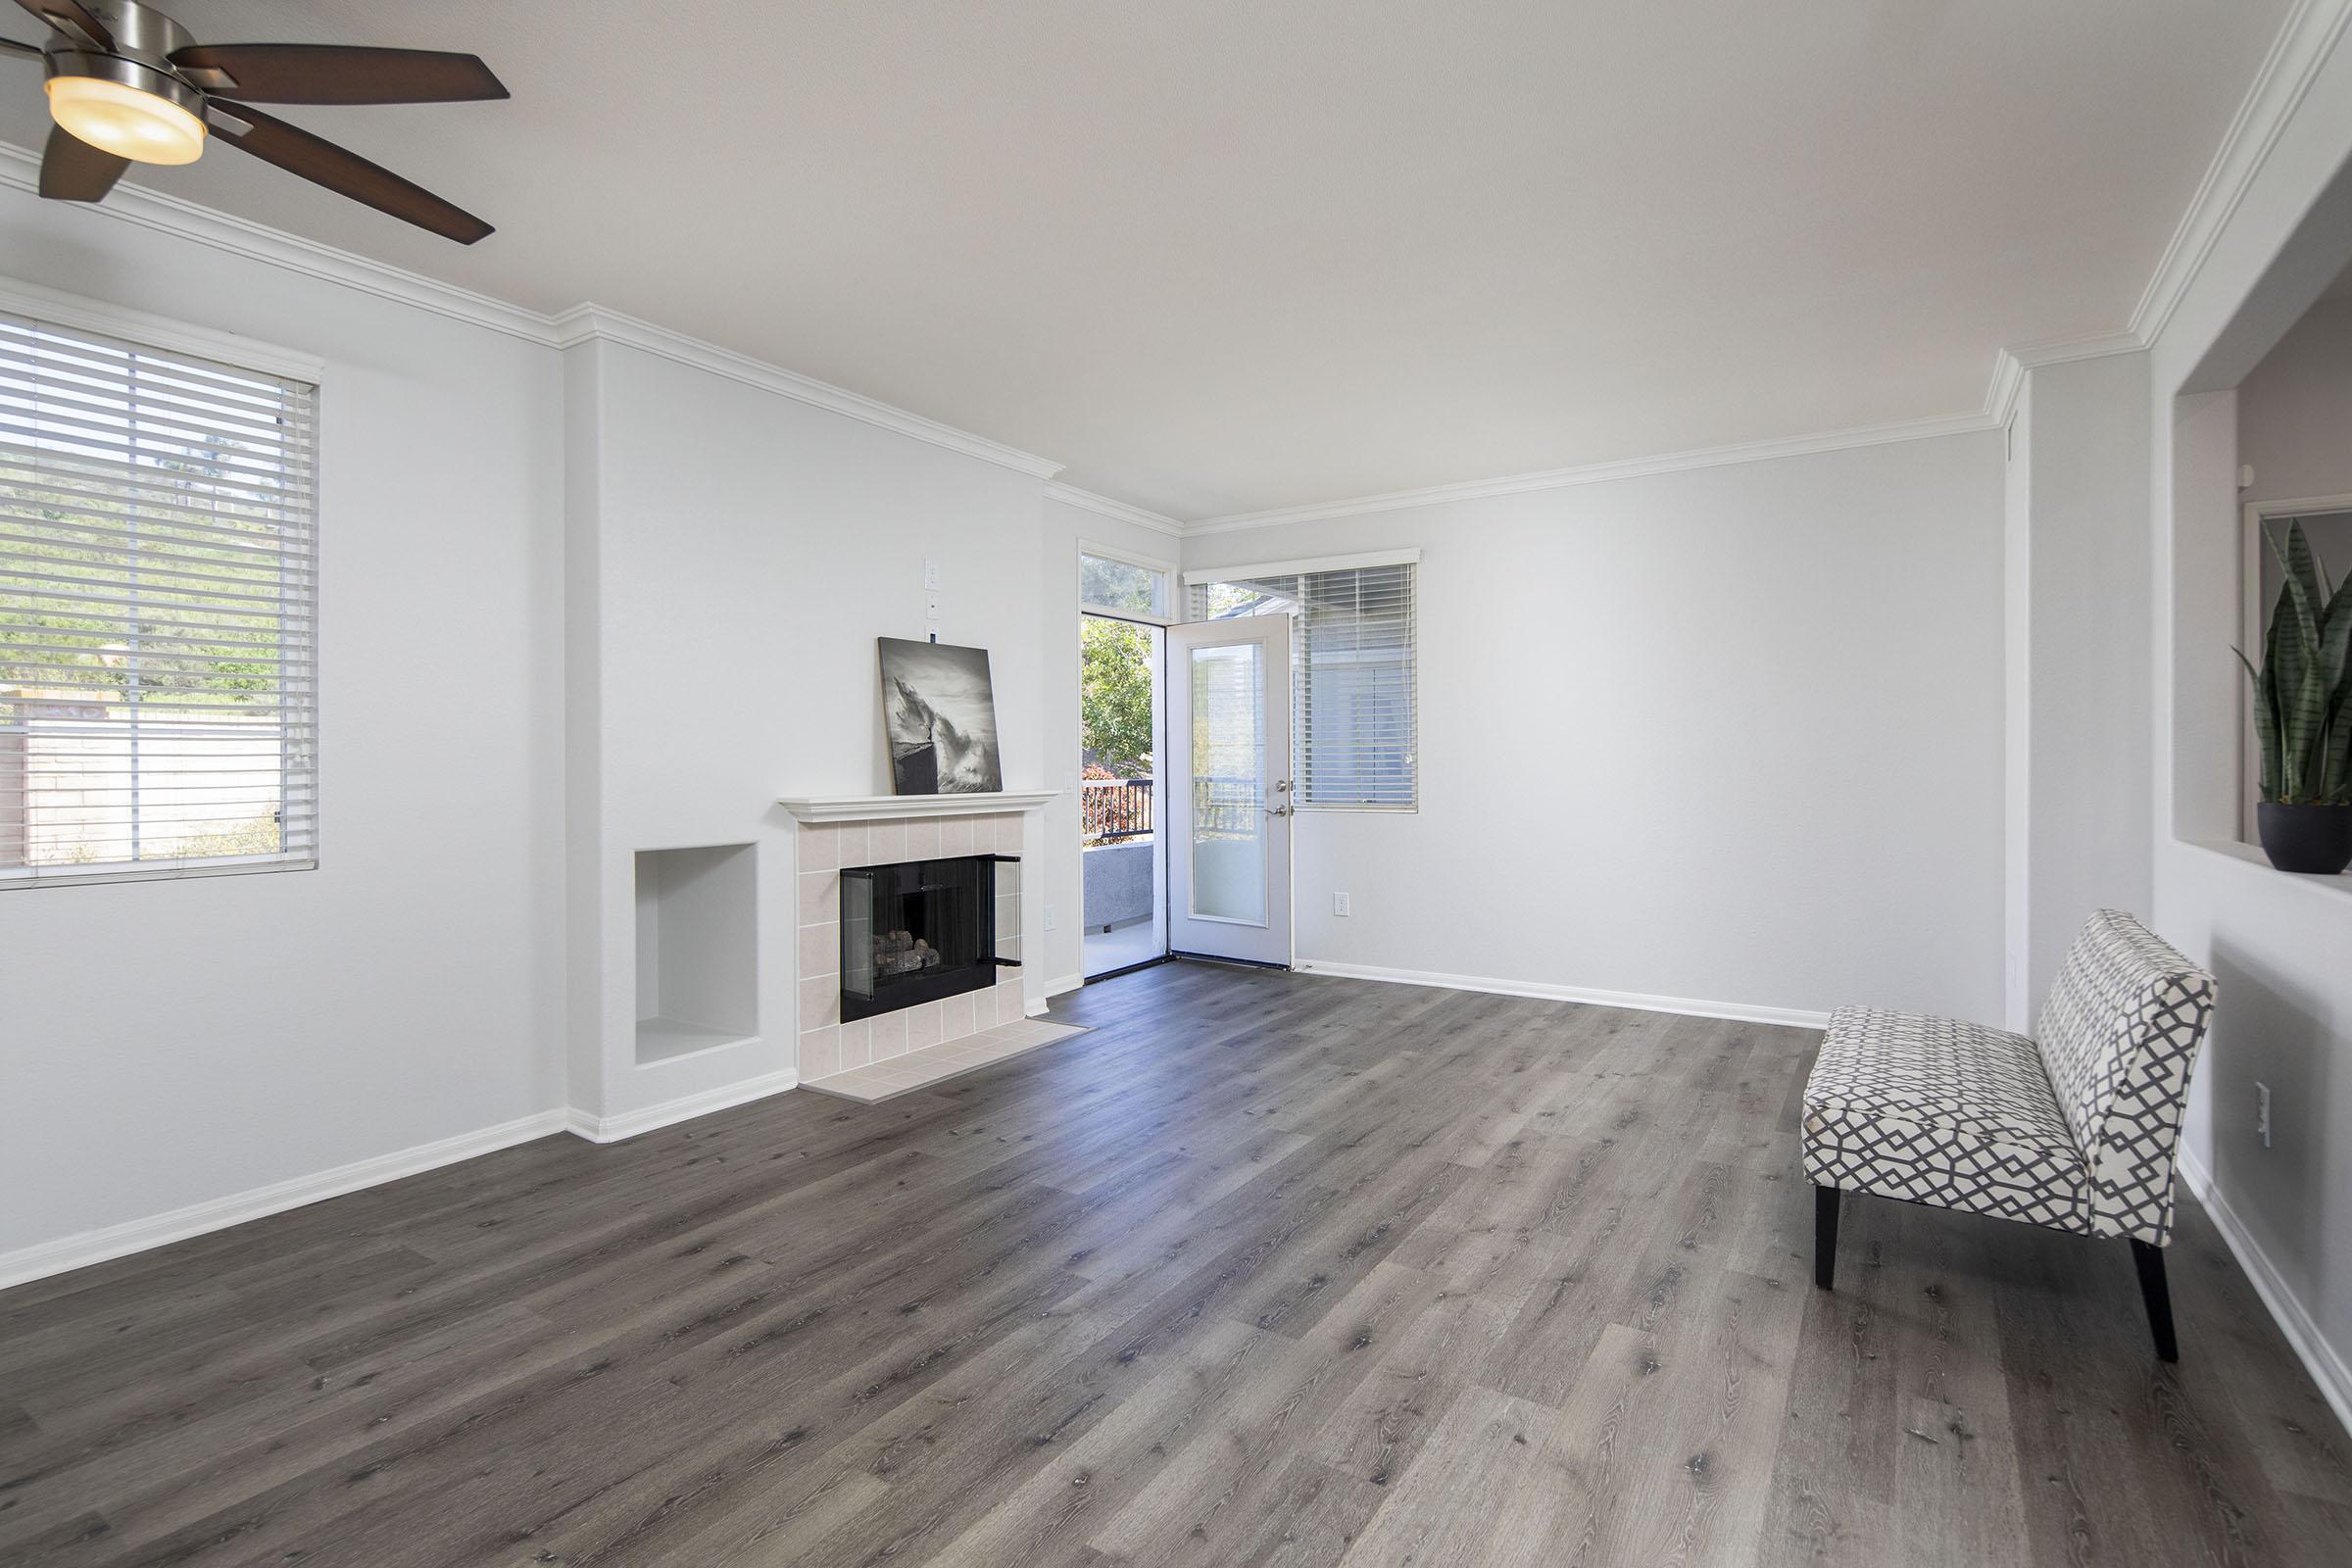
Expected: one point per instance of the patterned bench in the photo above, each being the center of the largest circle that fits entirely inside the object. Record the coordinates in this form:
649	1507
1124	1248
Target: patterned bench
2075	1131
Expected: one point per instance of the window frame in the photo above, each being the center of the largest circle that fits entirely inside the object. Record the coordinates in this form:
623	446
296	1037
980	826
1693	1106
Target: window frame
71	313
1300	741
1166	570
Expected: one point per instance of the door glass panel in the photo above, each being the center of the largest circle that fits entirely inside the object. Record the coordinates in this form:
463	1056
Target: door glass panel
1229	783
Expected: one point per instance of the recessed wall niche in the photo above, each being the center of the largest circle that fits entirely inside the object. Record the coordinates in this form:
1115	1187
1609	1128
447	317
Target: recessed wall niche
697	947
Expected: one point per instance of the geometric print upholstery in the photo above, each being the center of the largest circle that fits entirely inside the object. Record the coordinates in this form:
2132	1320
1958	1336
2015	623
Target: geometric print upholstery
2076	1132
1938	1111
2119	1035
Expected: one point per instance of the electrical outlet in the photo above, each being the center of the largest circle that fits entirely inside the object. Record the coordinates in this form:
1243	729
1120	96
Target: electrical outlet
2262	1112
1051	919
1339	903
931	607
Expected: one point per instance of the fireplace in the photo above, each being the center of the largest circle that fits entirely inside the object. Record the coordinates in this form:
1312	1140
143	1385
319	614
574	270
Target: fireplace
921	930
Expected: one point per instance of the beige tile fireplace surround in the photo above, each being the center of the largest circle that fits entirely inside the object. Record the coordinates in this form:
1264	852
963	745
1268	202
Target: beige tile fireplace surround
872	1059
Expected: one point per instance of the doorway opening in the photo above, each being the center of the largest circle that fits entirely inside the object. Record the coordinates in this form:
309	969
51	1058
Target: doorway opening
1123	849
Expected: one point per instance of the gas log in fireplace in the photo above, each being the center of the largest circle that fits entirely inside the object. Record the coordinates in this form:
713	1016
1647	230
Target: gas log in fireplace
920	930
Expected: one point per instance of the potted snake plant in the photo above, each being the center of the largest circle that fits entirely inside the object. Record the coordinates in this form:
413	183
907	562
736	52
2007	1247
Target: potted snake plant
2303	715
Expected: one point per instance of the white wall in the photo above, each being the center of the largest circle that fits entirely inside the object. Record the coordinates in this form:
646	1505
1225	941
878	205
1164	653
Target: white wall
749	548
2295	411
2281	946
2079	723
1731	735
2017	705
164	1044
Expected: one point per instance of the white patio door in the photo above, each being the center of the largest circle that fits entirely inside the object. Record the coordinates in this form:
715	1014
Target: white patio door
1229	789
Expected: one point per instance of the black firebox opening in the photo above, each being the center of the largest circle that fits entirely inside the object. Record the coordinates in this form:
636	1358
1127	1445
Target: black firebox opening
917	931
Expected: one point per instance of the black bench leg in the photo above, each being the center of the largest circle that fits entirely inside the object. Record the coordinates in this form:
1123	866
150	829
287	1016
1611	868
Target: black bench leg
1824	1236
2159	1297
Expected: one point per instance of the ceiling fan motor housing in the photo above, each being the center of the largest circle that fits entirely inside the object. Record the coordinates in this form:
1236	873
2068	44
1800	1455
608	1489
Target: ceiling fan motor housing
144	39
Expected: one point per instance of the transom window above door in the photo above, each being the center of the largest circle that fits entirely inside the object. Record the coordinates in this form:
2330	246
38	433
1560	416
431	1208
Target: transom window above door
1119	585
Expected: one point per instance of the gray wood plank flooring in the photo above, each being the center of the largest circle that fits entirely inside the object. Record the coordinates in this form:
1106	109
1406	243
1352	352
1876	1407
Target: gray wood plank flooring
1265	1269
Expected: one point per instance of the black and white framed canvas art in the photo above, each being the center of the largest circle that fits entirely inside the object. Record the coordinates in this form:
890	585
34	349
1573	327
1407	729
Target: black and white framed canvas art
940	713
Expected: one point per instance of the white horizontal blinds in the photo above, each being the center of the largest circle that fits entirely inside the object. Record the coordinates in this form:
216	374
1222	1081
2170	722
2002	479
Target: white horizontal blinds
1353	651
158	603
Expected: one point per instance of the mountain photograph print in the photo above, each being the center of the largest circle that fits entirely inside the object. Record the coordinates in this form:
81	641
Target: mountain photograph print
939	713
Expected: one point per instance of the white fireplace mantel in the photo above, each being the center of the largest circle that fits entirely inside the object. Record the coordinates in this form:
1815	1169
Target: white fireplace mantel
860	808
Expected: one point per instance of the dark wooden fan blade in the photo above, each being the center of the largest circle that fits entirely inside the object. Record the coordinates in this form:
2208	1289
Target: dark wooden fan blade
69	16
346	173
335	74
74	171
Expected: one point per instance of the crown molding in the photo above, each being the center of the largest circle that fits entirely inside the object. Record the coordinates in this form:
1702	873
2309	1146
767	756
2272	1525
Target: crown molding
185	219
2008	384
1605	472
595	322
2304	42
1069	495
2009	366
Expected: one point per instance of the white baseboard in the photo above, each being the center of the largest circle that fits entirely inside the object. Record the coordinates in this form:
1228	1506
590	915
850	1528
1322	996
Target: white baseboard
45	1259
2318	1357
68	1253
1068	982
1743	1012
629	1124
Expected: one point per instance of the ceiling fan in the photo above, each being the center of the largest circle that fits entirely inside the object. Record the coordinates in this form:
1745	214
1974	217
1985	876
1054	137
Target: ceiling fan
127	85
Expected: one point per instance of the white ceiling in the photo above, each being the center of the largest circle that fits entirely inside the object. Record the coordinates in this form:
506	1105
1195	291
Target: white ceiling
1225	257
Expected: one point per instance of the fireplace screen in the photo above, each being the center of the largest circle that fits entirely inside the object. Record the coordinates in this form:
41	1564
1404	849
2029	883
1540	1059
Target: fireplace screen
920	930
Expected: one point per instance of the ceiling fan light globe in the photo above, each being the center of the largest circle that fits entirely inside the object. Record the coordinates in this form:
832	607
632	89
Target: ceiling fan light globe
125	120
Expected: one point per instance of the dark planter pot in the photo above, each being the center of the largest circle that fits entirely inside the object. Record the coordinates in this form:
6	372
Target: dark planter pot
2306	838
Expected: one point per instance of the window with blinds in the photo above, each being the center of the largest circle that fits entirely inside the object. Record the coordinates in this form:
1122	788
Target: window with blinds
1354	695
158	595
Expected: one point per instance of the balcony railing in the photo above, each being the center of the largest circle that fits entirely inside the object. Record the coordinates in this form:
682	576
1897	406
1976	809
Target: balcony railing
1115	810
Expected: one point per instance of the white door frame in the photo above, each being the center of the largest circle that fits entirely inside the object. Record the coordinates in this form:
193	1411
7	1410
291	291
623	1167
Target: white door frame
1159	789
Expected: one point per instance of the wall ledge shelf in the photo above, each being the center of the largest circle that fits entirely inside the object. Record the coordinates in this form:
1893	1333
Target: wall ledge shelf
863	808
660	1040
2251	856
